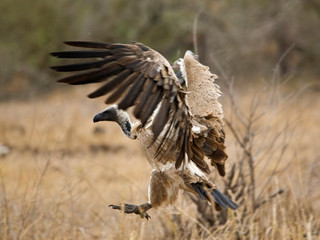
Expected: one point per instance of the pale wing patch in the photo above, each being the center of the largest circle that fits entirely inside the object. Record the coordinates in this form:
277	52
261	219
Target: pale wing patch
196	129
166	167
192	167
182	67
149	124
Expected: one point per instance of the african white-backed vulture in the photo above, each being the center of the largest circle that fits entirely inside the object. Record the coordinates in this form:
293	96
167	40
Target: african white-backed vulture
180	121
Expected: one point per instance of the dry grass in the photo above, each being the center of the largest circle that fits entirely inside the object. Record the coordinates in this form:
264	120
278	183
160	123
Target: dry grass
63	171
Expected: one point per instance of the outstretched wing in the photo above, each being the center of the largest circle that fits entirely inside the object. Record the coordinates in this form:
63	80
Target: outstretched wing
202	100
135	75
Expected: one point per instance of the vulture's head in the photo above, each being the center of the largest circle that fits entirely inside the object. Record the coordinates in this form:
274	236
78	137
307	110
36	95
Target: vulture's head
111	113
114	114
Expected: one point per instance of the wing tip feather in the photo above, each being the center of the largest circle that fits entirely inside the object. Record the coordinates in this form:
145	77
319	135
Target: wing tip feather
86	44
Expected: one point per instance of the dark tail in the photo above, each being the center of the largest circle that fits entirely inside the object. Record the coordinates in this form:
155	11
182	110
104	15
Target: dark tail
218	196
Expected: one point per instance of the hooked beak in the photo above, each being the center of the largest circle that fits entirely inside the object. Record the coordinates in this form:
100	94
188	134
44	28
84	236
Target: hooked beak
105	115
98	117
109	114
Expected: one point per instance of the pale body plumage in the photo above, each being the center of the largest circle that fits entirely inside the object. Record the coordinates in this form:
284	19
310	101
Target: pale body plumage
180	128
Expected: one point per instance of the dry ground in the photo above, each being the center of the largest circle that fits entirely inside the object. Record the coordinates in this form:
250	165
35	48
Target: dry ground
62	171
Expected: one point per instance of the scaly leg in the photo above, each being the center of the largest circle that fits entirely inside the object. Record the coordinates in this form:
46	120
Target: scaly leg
162	190
137	209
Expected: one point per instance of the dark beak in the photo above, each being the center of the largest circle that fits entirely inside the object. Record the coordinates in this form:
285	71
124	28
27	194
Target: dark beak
98	117
106	115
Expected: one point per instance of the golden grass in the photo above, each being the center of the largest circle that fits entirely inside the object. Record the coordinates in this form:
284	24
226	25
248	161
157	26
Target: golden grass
62	172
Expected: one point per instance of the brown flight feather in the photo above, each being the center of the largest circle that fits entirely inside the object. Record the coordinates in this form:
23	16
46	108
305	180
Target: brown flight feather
177	126
138	76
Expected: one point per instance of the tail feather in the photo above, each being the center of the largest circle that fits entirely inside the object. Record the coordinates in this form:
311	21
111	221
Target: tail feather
219	197
224	199
200	190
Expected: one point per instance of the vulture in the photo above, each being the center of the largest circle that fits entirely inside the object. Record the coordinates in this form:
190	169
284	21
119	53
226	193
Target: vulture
178	118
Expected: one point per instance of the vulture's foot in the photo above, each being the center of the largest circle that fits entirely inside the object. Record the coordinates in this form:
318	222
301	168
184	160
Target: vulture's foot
137	209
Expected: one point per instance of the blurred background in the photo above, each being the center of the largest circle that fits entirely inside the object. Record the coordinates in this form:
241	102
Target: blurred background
59	171
246	37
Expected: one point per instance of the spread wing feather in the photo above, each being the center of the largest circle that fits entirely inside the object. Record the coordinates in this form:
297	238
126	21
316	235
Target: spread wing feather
80	54
211	145
135	75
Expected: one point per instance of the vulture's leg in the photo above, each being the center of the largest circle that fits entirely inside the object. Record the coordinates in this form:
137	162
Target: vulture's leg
162	190
137	209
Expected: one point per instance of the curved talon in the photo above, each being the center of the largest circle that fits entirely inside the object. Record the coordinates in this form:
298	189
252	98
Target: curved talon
147	216
115	206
